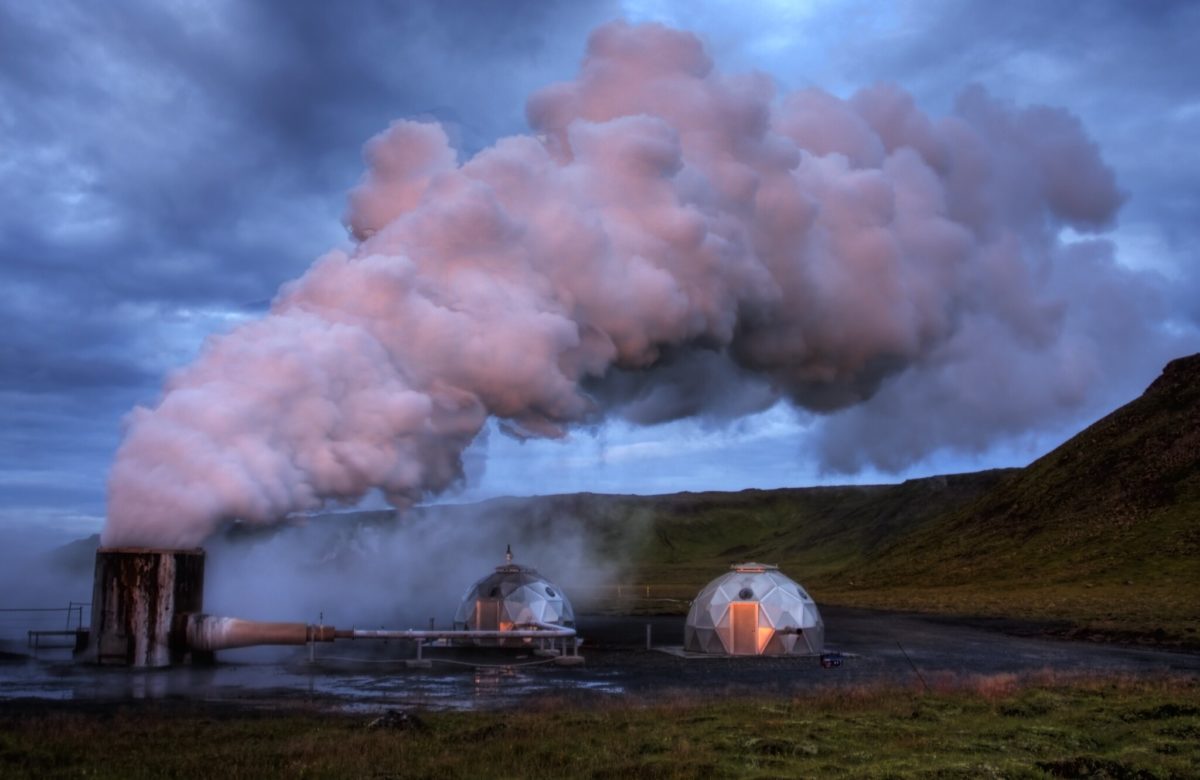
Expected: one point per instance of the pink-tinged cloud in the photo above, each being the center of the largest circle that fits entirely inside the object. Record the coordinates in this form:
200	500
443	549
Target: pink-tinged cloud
668	241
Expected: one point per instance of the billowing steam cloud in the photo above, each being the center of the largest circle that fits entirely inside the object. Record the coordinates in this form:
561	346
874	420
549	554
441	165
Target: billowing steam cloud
669	241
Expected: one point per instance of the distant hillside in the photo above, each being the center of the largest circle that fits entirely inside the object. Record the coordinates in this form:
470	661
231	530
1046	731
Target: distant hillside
1105	528
685	538
689	537
1121	497
1101	536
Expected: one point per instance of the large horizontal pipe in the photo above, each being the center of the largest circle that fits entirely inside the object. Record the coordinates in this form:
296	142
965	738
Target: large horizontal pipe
207	632
524	631
537	633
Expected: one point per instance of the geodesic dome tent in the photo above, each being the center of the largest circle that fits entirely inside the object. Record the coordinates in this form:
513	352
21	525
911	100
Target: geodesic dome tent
754	610
511	597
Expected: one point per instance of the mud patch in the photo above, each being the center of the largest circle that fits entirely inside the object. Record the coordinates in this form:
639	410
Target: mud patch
1094	767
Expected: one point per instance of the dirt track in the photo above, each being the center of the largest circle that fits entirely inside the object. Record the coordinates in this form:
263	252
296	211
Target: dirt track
880	647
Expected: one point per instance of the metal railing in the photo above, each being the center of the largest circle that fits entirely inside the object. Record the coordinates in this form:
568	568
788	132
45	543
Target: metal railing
627	592
43	618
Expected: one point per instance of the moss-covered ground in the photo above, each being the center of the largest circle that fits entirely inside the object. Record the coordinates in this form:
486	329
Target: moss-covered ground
986	727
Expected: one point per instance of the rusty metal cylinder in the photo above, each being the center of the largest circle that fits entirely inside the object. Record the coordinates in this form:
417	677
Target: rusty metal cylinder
140	602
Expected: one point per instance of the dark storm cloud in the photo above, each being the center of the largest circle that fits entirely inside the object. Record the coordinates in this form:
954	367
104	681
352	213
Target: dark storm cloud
1119	44
193	149
166	167
1126	68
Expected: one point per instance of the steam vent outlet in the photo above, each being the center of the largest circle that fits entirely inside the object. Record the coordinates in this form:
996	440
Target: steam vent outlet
140	602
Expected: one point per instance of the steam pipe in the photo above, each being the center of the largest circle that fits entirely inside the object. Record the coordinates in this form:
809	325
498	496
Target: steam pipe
208	632
538	631
147	611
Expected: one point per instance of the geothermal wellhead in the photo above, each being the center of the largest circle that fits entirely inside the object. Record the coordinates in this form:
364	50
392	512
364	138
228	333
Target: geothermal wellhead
147	611
140	598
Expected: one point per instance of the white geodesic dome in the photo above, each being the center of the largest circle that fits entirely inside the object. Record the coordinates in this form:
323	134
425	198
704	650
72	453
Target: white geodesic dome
513	597
754	610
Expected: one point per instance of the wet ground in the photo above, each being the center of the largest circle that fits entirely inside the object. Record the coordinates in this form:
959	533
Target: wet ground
878	647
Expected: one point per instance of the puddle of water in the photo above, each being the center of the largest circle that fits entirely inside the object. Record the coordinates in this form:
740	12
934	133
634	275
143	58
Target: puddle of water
480	688
375	678
350	689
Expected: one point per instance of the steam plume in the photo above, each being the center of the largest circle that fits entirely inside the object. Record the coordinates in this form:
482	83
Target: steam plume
663	223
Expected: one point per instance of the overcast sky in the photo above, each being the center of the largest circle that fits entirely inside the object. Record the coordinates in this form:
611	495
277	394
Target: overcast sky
166	166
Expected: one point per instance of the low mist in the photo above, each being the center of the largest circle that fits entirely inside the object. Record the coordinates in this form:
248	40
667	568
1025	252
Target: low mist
359	569
372	569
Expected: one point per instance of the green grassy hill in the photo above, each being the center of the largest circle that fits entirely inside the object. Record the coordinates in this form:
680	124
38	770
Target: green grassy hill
687	537
1103	531
1121	499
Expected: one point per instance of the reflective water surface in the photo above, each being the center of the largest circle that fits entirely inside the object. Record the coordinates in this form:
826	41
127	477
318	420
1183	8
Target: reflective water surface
879	647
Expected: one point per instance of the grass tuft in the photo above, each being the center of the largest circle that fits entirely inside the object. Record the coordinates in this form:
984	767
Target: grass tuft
989	726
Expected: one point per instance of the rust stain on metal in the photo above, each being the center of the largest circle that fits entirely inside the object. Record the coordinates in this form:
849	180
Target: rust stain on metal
140	598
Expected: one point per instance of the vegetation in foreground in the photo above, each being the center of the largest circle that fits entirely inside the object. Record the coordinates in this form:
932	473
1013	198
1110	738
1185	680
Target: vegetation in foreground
989	727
